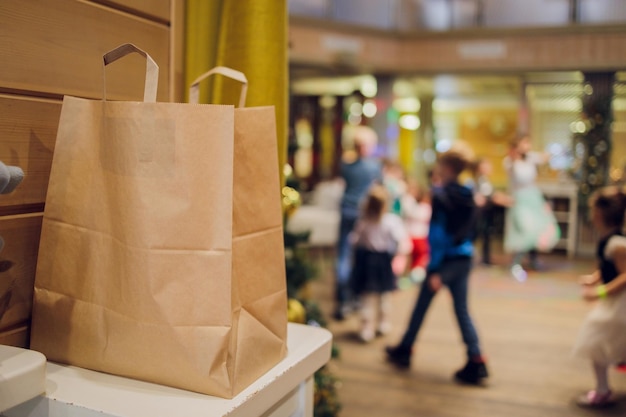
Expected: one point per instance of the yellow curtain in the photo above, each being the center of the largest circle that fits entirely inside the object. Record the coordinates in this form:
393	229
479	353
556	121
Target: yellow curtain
327	154
406	150
202	27
252	38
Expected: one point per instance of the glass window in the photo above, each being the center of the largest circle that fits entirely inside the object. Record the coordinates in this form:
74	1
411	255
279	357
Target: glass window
602	11
435	14
372	13
464	13
516	13
311	8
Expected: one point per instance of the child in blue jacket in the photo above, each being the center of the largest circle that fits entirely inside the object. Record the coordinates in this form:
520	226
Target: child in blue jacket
450	239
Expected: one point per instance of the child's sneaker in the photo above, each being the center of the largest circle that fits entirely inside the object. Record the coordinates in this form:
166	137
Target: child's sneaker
418	274
595	400
519	273
473	372
367	335
384	329
399	356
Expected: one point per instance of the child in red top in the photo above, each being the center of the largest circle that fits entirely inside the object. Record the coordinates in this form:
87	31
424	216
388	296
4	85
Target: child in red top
416	212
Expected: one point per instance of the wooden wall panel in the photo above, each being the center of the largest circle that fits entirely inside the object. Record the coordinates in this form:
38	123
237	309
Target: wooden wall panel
344	49
531	52
154	9
17	336
56	47
21	236
28	128
52	48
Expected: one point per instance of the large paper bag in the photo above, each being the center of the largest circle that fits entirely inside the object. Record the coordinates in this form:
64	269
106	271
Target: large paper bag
135	271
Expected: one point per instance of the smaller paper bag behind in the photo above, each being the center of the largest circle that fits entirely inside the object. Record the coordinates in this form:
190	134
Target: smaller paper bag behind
259	283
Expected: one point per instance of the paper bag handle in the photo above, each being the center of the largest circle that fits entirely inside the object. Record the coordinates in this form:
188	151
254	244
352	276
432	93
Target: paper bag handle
152	70
194	90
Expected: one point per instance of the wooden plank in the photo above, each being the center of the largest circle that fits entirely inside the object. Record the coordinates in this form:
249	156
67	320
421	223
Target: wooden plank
158	10
348	50
21	246
18	336
56	47
28	128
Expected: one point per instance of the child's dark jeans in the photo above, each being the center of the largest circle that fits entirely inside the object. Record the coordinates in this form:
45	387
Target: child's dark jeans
455	275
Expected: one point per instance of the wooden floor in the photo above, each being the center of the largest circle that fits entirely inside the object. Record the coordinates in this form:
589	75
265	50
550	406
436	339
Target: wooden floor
527	331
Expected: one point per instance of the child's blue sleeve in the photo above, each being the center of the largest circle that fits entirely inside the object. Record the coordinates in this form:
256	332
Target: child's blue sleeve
438	241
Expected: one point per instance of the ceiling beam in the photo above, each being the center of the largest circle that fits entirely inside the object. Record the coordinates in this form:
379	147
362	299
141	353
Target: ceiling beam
350	49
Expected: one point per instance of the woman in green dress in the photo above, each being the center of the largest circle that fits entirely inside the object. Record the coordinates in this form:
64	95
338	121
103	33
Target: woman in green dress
530	222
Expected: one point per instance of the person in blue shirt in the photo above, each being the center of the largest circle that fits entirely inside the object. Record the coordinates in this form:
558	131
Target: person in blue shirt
450	238
359	171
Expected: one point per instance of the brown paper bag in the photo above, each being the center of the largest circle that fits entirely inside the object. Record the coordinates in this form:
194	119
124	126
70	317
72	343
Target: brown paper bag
136	273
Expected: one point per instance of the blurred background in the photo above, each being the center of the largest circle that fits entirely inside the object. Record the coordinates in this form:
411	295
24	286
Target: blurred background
426	73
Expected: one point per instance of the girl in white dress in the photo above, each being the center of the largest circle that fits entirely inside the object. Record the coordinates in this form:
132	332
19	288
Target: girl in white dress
377	238
530	223
602	338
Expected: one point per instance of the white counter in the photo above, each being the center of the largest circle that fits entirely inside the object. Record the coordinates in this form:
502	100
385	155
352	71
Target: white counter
286	390
22	375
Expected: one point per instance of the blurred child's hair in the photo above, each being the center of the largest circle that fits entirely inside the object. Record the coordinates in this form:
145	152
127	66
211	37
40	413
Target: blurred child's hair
375	203
458	158
434	176
393	167
364	139
475	166
611	201
517	139
419	192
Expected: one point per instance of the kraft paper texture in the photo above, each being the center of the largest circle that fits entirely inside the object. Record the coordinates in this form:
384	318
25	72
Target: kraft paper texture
161	254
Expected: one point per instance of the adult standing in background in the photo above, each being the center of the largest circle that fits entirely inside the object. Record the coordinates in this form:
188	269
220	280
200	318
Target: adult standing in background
486	198
530	223
359	171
